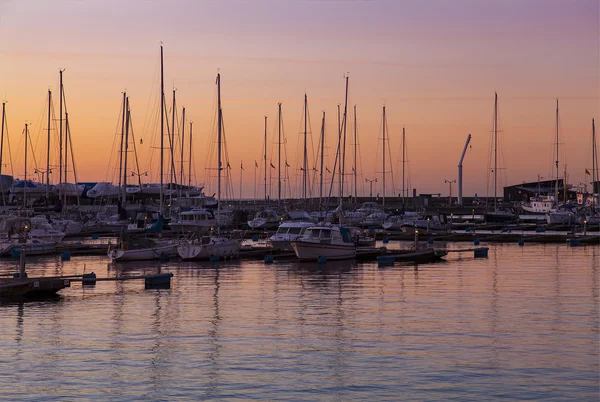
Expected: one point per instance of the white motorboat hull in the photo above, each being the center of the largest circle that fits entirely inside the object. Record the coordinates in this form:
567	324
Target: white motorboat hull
142	254
311	251
196	251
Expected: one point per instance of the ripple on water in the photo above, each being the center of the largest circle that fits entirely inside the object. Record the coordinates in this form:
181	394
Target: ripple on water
521	324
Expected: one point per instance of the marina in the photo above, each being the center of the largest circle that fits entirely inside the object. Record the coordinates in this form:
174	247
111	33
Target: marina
299	200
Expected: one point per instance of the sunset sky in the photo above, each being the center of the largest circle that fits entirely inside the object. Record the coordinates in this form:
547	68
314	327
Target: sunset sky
435	64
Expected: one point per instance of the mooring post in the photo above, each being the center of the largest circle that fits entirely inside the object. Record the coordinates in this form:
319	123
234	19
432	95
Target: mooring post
416	239
22	262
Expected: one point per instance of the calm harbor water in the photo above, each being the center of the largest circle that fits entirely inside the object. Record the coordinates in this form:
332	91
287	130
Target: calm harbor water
521	324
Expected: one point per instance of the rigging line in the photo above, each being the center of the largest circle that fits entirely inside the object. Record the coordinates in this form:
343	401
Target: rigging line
115	136
390	157
12	173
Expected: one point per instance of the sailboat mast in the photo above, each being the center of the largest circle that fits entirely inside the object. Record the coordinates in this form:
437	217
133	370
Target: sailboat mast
594	165
339	155
219	128
162	127
265	159
48	144
495	150
403	162
279	152
190	161
556	161
60	130
345	123
305	155
355	155
122	139
182	148
383	165
125	149
172	175
2	142
322	159
25	170
66	153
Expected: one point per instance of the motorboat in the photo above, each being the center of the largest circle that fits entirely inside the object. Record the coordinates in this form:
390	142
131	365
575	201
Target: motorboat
41	229
395	222
538	205
200	219
376	219
428	223
329	242
205	247
288	231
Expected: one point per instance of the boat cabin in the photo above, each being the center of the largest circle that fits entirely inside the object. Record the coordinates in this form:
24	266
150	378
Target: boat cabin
144	218
196	215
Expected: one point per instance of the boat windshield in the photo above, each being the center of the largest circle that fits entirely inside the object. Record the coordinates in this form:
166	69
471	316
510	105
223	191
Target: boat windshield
282	230
319	233
295	231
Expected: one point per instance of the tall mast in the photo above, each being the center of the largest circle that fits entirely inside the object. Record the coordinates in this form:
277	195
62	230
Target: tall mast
556	161
403	161
265	159
496	149
345	123
162	126
182	147
322	159
383	170
2	144
66	153
48	144
172	175
60	130
125	149
279	153
355	153
25	170
594	165
305	155
190	161
219	128
339	154
122	139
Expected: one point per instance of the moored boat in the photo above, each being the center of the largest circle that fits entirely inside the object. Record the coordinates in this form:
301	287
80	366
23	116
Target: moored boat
329	242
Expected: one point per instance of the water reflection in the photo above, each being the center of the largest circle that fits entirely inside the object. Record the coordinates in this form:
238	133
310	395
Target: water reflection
522	324
214	353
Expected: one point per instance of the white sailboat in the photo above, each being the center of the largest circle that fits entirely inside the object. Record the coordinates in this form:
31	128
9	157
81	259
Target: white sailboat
206	247
559	216
144	248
